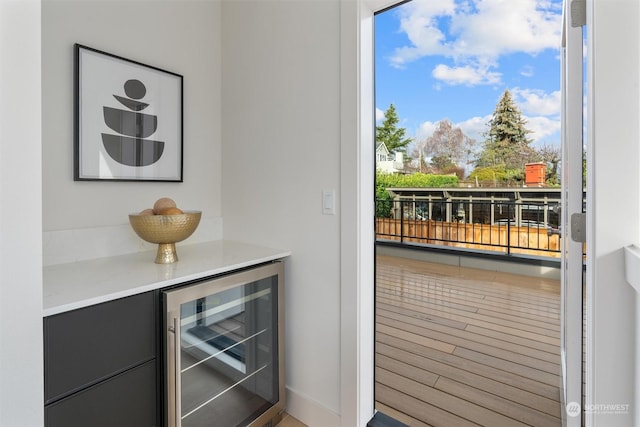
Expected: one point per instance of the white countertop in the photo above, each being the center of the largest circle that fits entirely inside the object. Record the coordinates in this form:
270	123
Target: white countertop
81	284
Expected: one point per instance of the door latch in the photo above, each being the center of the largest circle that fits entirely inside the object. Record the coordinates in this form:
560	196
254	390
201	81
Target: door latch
579	227
578	13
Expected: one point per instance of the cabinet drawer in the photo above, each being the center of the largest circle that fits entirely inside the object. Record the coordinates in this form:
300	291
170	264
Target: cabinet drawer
91	344
126	400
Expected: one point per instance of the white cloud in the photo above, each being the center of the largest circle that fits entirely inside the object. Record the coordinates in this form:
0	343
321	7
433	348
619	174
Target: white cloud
379	115
500	27
467	75
476	33
419	22
527	71
541	128
425	130
476	128
537	102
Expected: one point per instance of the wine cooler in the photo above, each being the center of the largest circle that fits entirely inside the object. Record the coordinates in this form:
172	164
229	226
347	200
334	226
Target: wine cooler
225	350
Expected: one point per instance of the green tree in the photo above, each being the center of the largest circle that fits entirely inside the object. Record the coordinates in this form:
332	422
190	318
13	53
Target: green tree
584	168
442	163
389	132
507	143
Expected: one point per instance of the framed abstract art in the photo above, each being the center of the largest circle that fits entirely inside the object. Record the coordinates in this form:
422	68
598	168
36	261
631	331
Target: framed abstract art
128	119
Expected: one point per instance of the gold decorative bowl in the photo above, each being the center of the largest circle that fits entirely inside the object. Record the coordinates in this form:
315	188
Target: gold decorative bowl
166	231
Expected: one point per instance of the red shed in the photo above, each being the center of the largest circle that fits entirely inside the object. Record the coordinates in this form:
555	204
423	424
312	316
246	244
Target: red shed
535	174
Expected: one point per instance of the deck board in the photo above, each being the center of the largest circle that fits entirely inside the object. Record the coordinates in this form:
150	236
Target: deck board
470	340
473	380
459	346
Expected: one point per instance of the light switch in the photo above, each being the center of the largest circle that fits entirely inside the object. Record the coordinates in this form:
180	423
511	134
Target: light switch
329	202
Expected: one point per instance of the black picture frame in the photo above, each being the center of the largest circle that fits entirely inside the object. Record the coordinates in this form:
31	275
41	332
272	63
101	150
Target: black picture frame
128	119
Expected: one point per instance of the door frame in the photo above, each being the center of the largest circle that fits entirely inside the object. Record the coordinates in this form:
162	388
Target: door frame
572	90
357	208
357	228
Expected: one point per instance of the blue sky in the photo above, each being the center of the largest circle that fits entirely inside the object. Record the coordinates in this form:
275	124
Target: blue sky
453	59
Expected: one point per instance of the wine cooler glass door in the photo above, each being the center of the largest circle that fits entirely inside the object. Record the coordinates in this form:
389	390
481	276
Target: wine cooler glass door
223	350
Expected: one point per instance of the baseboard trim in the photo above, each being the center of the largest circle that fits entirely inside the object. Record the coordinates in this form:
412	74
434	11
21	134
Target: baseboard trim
309	411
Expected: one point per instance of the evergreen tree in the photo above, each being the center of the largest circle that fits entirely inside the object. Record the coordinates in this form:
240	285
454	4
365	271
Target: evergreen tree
507	144
388	132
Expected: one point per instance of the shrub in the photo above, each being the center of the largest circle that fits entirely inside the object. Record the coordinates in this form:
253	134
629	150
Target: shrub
418	180
497	174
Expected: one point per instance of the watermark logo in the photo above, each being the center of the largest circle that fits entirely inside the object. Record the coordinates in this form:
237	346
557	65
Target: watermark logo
607	408
573	409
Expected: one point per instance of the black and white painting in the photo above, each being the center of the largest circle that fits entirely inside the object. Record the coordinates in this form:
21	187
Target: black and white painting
128	119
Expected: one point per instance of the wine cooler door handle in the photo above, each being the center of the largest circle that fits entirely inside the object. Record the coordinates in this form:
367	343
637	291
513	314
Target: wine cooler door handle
177	345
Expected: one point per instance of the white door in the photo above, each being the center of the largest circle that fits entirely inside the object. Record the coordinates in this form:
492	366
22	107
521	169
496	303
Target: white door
572	213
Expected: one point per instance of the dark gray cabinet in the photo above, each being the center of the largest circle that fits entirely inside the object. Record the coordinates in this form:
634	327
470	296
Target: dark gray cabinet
101	366
126	400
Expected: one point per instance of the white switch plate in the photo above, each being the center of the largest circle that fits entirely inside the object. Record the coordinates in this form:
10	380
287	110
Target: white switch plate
329	202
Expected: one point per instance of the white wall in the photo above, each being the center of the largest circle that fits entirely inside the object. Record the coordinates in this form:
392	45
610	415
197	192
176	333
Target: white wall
21	381
613	203
178	36
281	133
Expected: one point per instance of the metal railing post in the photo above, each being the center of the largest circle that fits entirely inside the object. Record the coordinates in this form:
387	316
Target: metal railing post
401	221
509	229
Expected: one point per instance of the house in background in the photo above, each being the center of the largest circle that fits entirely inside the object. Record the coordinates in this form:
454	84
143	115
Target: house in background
258	76
387	162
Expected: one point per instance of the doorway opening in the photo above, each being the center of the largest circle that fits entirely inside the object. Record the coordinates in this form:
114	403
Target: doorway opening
457	341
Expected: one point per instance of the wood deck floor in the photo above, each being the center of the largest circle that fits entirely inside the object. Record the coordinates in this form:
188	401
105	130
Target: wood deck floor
458	347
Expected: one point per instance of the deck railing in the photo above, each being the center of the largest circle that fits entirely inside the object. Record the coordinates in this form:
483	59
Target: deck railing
529	228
